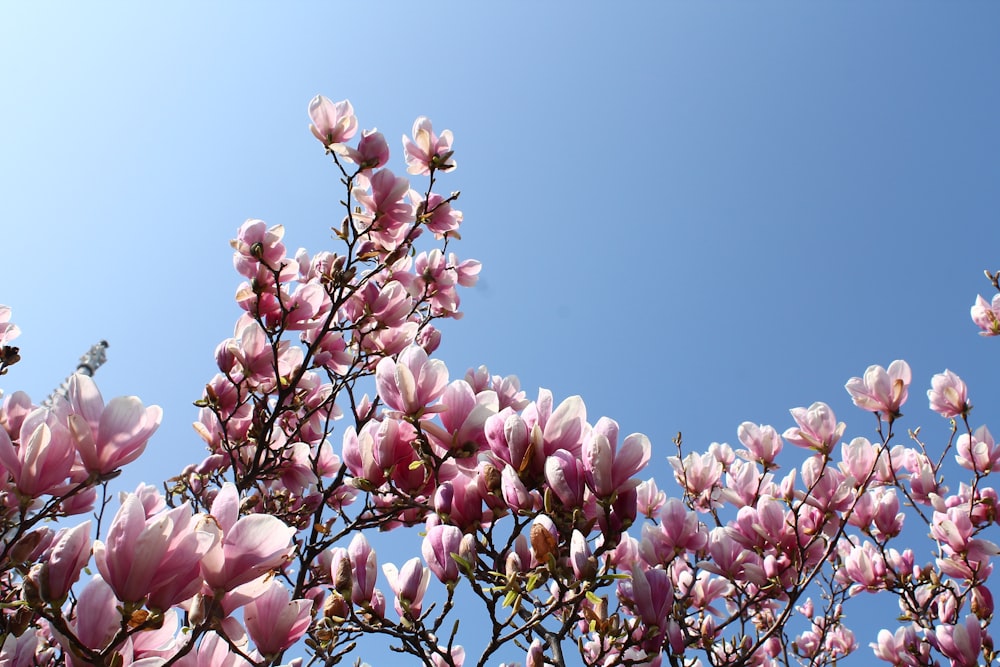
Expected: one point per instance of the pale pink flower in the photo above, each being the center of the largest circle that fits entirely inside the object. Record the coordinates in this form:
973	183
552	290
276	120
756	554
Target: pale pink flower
365	569
332	122
986	315
255	244
274	621
880	390
978	451
372	151
948	395
649	498
111	436
762	442
818	428
427	151
8	330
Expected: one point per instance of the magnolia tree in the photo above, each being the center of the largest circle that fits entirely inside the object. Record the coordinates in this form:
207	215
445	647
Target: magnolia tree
524	514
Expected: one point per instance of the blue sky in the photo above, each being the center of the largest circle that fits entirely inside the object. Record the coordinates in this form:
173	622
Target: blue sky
690	214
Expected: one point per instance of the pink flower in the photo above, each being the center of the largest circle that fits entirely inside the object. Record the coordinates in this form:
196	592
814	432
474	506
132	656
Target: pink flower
409	584
255	244
8	330
246	548
372	151
611	469
365	569
440	546
427	150
387	213
880	390
156	558
817	428
762	442
64	561
978	451
274	621
960	643
111	436
44	456
948	395
332	122
411	383
987	316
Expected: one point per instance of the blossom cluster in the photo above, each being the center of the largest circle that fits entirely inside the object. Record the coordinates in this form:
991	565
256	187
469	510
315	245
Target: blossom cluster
528	507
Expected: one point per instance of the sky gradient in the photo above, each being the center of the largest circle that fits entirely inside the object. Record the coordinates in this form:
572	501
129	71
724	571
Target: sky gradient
690	214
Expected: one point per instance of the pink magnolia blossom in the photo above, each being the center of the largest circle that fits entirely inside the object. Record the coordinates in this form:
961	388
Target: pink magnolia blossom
986	315
111	436
948	395
8	330
818	428
64	561
44	457
962	643
245	548
978	451
274	621
427	151
410	384
332	122
610	468
409	584
257	244
372	151
441	543
387	213
880	390
156	557
762	442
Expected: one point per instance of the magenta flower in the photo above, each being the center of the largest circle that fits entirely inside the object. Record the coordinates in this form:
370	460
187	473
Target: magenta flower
880	390
986	315
332	122
274	621
427	150
111	436
948	395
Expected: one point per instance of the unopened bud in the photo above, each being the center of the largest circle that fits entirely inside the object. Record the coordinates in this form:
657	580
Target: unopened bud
335	608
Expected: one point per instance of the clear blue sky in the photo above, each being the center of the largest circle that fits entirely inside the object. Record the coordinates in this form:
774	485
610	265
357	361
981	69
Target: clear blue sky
692	214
